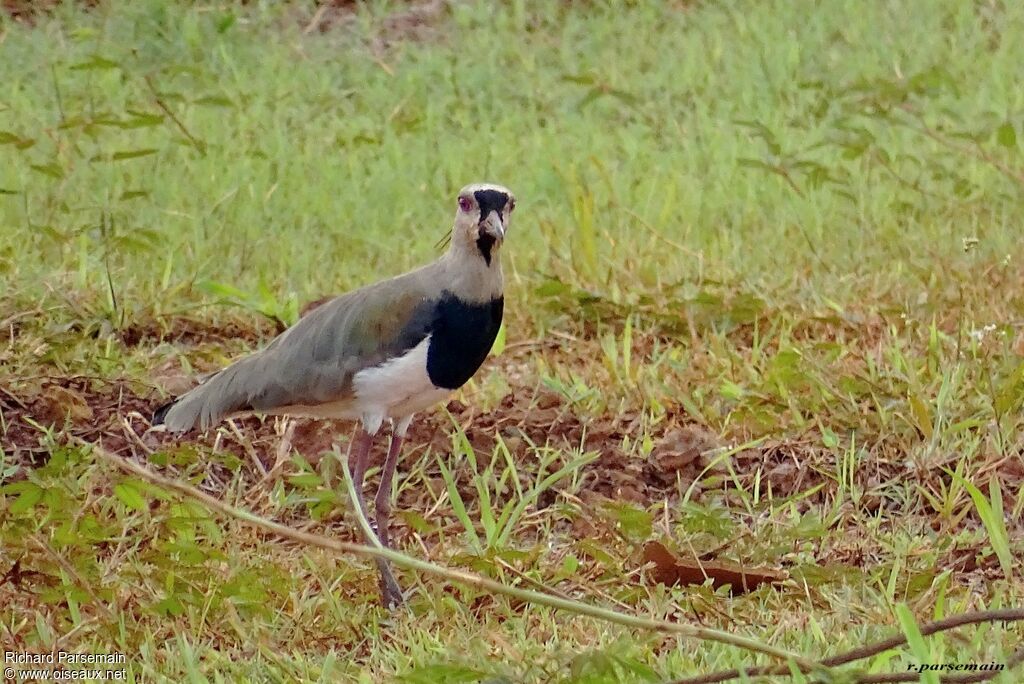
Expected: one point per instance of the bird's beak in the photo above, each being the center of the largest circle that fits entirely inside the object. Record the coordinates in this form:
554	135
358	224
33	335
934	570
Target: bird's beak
493	226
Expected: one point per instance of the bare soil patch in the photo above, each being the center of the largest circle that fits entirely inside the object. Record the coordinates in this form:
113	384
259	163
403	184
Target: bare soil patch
27	11
194	331
686	457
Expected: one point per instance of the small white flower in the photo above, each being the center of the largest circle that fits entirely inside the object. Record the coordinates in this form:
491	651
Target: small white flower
979	334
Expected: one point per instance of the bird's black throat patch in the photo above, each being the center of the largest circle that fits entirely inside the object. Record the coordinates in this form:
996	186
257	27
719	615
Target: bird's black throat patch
461	337
485	243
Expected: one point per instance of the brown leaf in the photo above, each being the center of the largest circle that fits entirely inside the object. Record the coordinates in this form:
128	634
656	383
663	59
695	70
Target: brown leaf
683	446
681	454
782	476
55	403
670	570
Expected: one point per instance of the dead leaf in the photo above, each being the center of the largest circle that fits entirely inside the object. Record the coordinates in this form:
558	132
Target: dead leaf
670	570
782	476
55	403
681	448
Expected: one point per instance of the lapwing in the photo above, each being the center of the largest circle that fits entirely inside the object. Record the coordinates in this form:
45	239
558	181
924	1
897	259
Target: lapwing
380	353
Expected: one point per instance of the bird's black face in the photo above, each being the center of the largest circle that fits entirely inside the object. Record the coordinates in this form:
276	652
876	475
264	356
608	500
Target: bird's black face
489	209
490	200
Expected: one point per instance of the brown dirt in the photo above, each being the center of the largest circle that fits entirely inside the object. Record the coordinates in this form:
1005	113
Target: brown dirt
192	331
116	414
685	457
418	21
26	11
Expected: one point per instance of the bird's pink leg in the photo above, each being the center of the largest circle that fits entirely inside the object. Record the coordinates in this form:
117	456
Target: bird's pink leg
359	458
382	502
391	593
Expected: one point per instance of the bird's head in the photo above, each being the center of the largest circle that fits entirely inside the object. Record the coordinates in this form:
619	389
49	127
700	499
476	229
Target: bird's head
482	218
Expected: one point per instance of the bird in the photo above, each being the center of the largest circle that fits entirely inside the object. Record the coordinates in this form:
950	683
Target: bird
380	353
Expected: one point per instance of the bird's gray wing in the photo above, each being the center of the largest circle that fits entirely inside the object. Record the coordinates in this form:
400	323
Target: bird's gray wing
314	361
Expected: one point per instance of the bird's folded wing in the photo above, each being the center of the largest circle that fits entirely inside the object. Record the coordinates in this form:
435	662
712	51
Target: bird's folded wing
314	361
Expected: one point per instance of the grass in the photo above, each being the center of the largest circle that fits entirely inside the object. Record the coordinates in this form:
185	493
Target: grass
764	303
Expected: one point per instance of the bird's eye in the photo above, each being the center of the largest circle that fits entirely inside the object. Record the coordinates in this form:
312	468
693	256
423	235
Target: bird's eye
465	204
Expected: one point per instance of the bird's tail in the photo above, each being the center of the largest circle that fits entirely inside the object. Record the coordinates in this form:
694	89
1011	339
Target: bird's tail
209	403
160	414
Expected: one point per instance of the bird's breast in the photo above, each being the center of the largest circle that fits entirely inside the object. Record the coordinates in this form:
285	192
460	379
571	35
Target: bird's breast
462	336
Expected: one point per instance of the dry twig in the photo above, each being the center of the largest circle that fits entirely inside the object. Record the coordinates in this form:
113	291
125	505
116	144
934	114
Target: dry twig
452	574
896	640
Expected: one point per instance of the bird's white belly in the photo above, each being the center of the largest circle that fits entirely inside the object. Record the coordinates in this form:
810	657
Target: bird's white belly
396	388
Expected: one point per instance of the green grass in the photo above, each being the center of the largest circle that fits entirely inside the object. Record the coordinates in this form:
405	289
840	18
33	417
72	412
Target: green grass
792	226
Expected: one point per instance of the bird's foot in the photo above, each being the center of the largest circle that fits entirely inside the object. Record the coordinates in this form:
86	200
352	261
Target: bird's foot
390	592
391	596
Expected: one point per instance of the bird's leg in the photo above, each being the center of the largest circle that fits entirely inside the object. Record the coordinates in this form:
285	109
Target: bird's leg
359	461
391	593
382	502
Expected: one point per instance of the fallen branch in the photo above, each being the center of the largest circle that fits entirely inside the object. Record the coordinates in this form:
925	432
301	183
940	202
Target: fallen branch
467	578
576	607
896	640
